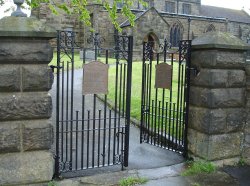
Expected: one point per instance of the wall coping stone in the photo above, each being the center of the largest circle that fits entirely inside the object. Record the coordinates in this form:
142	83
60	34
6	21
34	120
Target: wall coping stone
25	27
219	40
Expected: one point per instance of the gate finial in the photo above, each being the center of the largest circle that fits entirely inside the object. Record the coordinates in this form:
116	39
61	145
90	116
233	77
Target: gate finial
18	12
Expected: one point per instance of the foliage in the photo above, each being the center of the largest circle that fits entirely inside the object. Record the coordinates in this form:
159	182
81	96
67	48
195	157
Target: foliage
79	9
130	181
52	183
241	162
197	167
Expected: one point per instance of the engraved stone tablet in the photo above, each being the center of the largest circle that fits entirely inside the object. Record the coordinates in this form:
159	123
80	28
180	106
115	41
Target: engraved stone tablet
95	78
163	76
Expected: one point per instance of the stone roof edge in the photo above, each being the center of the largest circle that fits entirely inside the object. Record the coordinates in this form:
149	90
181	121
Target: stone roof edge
143	13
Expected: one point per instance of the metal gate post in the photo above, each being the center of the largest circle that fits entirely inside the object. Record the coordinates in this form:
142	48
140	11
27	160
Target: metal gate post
57	171
188	65
128	101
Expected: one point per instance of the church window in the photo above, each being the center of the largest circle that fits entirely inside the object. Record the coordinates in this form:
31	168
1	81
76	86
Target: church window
170	7
175	35
210	28
186	8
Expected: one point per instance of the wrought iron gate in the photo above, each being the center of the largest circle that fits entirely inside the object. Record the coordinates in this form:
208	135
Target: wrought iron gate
91	133
165	93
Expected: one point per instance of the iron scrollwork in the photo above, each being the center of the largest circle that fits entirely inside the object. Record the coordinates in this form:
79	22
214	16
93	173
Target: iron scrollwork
150	48
121	47
184	49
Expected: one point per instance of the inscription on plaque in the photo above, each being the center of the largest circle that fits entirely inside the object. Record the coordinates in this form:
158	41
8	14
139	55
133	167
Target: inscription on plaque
95	78
163	76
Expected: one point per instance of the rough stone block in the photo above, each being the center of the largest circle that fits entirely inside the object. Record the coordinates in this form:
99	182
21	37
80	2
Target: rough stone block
218	59
10	137
25	168
246	153
25	106
217	98
247	138
219	78
9	78
216	121
20	51
37	135
214	147
247	68
37	78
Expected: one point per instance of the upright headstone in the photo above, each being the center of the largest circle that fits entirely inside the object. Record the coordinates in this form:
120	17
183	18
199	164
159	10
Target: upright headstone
217	114
25	105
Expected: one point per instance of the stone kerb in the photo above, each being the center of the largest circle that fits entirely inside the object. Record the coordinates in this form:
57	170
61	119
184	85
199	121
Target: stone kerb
217	114
25	105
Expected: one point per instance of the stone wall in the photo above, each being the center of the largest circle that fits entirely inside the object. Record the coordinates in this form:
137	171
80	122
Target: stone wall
25	106
217	115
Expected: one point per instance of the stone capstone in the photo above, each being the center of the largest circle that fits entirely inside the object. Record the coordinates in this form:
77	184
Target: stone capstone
16	106
25	168
222	40
25	27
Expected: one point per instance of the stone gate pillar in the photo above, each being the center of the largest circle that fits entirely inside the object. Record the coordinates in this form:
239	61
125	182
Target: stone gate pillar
217	114
25	105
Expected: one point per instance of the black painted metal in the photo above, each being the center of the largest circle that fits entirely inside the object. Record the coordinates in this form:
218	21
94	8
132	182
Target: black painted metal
97	135
164	112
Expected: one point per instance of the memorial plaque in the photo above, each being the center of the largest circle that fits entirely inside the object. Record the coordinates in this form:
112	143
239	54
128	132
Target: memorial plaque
95	78
163	76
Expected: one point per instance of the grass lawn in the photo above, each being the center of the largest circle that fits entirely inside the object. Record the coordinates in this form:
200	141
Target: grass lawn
136	84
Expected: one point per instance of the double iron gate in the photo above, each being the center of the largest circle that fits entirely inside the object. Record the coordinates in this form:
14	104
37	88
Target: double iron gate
89	133
165	93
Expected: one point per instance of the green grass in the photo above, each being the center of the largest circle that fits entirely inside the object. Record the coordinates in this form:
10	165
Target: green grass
197	167
130	181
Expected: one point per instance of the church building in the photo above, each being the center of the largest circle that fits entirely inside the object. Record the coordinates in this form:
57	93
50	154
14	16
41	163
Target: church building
161	19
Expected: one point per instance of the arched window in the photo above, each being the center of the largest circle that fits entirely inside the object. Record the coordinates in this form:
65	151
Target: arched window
175	35
210	28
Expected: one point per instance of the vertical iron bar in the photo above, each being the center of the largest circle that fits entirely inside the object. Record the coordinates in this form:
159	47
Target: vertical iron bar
76	156
172	127
109	137
124	89
142	95
158	122
67	111
93	140
166	121
170	101
128	100
181	108
62	114
152	122
88	139
83	123
119	113
99	138
72	91
57	171
188	63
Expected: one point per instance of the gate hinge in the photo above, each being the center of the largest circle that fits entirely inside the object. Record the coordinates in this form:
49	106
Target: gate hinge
194	71
53	67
